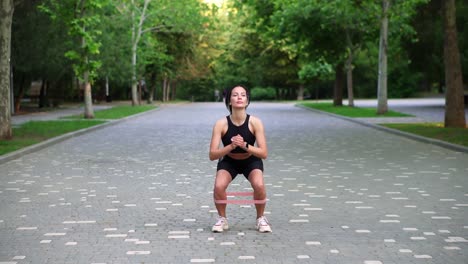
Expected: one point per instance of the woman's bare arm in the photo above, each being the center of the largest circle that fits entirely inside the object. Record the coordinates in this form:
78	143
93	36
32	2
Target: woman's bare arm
261	149
215	151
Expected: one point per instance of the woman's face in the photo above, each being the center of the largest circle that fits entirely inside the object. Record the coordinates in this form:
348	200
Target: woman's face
239	97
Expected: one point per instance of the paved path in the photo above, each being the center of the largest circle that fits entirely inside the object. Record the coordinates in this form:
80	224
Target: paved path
140	192
54	114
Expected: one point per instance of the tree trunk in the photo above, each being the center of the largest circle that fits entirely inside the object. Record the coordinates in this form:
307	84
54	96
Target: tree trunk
300	93
168	90
88	98
136	35
43	94
108	97
134	79
289	93
338	86
173	90
349	79
349	70
382	106
6	17
454	101
134	58
20	93
164	91
89	113
139	92
152	88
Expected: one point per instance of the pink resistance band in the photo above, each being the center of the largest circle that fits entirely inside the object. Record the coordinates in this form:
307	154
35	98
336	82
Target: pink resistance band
240	201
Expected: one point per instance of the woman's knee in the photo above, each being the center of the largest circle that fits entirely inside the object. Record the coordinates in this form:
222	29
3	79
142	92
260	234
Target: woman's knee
220	187
256	180
222	181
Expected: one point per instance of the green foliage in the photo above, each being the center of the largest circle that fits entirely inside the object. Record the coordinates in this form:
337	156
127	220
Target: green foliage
198	90
259	43
318	69
405	85
436	131
249	54
115	53
38	45
261	94
82	20
36	131
314	37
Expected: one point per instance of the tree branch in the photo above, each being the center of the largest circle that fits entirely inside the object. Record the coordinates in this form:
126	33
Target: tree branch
154	29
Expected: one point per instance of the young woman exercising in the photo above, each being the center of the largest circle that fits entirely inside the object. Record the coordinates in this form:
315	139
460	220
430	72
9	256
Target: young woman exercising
239	132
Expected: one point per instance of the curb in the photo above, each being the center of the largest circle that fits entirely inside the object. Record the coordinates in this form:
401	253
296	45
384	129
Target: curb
426	140
52	141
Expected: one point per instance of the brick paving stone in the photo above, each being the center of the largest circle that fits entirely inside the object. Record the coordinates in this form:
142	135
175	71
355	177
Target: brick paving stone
140	191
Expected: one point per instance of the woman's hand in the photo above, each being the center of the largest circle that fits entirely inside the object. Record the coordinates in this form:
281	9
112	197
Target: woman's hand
238	141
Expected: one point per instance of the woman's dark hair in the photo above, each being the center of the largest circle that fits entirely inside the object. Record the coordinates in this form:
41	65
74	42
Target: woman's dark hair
227	98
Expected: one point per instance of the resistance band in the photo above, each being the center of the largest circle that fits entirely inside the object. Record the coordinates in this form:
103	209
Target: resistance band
240	201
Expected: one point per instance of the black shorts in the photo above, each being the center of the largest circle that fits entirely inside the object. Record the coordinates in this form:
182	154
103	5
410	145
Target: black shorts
235	167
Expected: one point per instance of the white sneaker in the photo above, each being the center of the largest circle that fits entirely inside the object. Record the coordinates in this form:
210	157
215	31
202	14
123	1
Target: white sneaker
221	225
262	225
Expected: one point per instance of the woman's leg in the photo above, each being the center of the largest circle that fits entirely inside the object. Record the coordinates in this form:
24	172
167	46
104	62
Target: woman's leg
256	180
223	178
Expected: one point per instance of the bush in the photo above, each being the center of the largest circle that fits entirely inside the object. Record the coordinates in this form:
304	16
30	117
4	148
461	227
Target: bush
198	90
260	94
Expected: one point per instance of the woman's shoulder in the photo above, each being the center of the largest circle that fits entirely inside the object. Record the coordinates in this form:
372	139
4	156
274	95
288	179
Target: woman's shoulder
254	119
255	122
221	122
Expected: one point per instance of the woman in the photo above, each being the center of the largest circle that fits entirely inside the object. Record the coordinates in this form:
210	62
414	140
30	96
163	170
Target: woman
238	132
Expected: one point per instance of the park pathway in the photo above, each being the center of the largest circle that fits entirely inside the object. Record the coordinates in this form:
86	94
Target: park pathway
140	191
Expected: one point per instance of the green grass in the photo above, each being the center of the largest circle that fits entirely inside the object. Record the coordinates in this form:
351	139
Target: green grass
436	131
457	136
116	112
351	111
34	132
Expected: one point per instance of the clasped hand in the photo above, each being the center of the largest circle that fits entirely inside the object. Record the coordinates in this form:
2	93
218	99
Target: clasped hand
238	141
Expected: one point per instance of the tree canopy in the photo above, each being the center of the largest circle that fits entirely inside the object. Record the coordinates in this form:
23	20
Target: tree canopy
286	49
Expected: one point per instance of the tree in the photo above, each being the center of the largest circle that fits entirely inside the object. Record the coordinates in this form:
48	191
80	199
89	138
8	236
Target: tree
382	106
6	17
137	32
327	31
37	48
114	75
426	58
311	31
82	18
454	105
394	25
149	17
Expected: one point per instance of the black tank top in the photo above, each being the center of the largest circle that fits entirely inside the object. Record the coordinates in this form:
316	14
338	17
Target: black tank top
242	130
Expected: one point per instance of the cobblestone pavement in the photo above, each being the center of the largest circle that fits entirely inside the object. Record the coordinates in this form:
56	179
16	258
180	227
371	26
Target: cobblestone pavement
140	191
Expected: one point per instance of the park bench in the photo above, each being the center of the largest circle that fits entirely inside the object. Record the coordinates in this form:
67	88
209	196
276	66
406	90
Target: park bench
34	91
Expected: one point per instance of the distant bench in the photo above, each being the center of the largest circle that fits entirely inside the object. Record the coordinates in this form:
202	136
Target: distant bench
34	91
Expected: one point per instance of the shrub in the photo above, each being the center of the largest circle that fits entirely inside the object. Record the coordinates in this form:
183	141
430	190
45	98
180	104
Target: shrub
260	94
